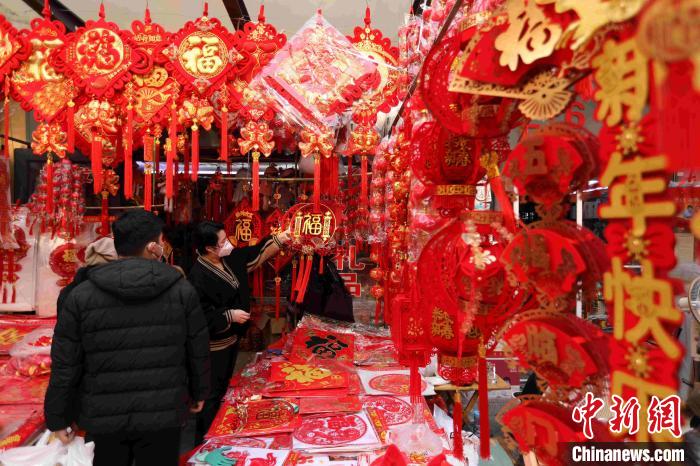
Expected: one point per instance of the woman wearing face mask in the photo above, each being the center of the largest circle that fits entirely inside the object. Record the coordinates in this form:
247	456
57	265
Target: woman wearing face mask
220	276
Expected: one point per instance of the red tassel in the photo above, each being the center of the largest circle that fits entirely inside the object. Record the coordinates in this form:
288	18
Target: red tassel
2	265
414	384
299	278
349	184
186	162
128	153
223	150
457	442
96	159
305	281
6	113
14	293
104	214
256	181
317	182
294	278
364	199
10	272
172	152
148	189
320	266
195	152
484	424
49	184
278	294
70	127
504	202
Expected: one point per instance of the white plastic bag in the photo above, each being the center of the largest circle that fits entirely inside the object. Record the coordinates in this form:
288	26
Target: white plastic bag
41	454
79	453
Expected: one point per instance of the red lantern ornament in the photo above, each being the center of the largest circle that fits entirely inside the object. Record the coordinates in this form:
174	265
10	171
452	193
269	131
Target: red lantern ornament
256	139
201	55
317	144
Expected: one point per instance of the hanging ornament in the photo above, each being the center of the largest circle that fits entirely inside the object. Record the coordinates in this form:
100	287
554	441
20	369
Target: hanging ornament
244	226
201	55
197	112
258	43
372	43
100	57
155	91
363	142
110	187
148	169
318	74
317	144
256	139
36	84
96	122
49	139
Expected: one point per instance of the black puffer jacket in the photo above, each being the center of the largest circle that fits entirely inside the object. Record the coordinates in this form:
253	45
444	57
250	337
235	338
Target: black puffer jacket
130	349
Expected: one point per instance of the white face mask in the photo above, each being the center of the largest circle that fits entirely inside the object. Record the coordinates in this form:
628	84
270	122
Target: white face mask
226	249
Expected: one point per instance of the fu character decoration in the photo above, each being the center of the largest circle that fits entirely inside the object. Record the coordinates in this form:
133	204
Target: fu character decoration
256	139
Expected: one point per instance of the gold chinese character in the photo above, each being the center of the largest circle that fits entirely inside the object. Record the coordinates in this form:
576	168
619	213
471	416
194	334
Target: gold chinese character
203	54
649	299
627	199
442	324
529	37
541	345
303	373
243	231
312	225
9	336
621	71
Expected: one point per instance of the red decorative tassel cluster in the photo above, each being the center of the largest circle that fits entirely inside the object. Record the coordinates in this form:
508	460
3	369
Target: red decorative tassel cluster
195	151
278	293
294	279
317	182
484	424
256	180
96	160
148	149
128	152
303	278
49	184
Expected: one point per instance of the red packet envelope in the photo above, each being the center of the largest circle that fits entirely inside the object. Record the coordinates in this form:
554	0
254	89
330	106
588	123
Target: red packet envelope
257	418
315	343
288	376
321	405
23	390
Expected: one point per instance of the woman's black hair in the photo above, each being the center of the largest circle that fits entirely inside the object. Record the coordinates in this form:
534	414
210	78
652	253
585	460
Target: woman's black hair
207	235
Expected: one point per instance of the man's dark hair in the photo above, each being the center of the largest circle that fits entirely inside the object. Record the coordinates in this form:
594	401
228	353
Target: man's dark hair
133	230
207	235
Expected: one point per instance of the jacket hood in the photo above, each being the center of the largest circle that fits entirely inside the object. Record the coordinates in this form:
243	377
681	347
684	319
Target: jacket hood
135	279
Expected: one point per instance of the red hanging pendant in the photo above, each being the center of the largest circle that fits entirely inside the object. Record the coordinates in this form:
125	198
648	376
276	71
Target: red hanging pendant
6	114
294	279
457	442
364	191
317	181
484	424
128	153
96	161
104	214
278	293
195	152
256	180
148	144
172	151
49	184
70	127
223	151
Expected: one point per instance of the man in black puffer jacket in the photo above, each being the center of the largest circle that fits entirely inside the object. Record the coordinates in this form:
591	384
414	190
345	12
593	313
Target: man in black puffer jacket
130	353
